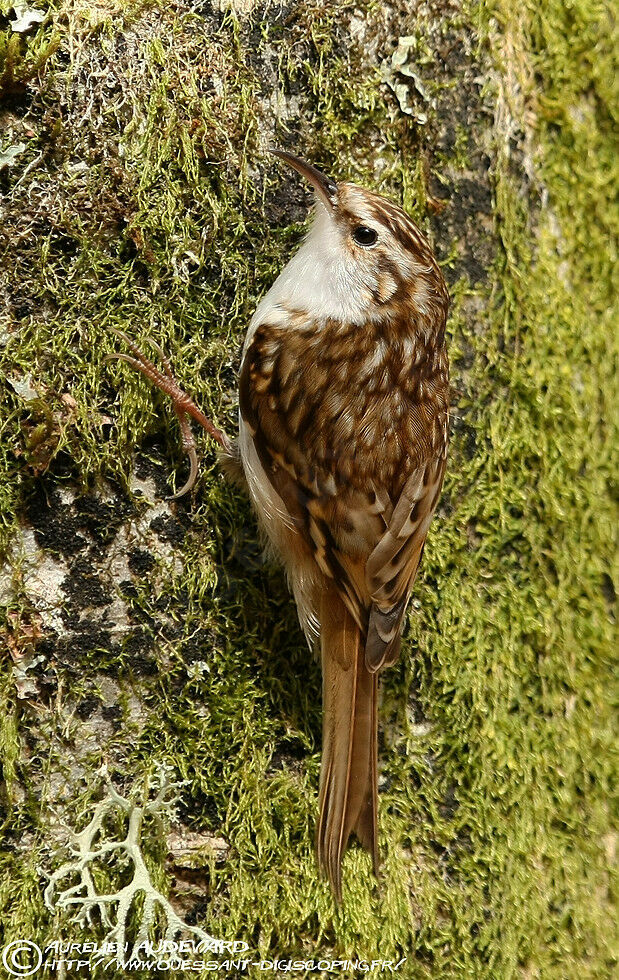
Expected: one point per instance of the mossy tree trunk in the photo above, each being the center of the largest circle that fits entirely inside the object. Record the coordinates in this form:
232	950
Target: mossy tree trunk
143	632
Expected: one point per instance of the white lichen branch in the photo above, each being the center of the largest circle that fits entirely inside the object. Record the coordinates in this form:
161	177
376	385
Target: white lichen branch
114	907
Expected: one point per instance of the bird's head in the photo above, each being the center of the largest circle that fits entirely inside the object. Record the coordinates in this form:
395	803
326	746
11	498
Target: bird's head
364	251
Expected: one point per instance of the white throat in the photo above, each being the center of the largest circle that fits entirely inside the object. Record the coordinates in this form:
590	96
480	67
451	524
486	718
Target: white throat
317	279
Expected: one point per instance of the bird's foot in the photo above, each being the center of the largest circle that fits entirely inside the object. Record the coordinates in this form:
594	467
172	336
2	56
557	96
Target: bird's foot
182	404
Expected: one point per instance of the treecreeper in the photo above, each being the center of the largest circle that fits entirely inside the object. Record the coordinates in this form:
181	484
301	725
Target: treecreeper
343	435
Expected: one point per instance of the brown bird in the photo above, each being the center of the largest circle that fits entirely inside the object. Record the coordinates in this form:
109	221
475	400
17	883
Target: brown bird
343	434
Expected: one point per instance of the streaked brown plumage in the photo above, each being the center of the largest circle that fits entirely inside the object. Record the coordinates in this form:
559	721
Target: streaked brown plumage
344	399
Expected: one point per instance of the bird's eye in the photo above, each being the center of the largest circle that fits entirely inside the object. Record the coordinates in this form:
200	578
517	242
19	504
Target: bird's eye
364	236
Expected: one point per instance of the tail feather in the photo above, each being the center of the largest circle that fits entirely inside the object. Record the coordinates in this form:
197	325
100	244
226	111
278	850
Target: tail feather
349	774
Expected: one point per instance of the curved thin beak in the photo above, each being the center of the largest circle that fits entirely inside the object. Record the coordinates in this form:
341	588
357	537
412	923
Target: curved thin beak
323	185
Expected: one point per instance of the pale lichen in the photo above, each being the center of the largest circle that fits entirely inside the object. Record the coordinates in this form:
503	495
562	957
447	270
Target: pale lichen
116	910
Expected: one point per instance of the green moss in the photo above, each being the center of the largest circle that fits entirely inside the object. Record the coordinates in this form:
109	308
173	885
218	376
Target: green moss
22	56
9	741
494	810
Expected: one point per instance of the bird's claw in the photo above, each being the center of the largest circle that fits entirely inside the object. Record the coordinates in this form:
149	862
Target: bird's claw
183	405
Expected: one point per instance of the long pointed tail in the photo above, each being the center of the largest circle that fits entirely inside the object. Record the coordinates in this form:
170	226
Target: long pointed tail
348	777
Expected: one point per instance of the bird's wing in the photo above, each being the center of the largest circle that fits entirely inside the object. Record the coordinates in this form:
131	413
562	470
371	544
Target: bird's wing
364	536
392	566
315	508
